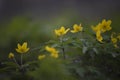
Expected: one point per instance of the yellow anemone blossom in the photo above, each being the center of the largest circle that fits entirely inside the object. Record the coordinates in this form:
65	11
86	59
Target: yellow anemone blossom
76	28
118	36
55	55
105	25
98	36
61	31
96	28
22	48
11	55
40	57
101	28
114	40
53	51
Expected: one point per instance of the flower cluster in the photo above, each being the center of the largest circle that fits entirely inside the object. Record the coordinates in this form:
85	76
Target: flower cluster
53	53
62	31
98	29
101	28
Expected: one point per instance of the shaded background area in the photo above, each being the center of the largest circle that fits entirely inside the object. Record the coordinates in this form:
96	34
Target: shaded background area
34	20
46	9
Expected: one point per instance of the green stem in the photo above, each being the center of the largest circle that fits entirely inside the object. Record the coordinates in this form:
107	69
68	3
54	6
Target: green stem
16	62
62	47
21	60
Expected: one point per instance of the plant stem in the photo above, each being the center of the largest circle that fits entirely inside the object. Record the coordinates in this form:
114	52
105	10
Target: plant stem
16	62
62	47
21	60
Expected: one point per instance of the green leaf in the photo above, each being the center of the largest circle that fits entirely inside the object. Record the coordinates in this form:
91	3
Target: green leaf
80	71
95	50
85	49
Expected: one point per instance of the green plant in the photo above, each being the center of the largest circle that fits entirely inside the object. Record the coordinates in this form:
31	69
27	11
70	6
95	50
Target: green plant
83	53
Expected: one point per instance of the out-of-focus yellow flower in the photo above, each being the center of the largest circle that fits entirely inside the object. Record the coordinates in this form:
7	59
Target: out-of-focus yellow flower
76	28
22	48
40	57
116	46
11	55
98	36
53	51
105	25
118	36
96	28
61	31
55	55
101	28
114	39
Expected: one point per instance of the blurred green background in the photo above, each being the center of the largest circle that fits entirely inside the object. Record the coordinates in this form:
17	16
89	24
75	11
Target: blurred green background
34	21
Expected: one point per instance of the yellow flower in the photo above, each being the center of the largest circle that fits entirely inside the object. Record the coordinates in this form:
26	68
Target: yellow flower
105	25
118	36
96	28
116	46
61	31
76	28
98	36
101	28
53	51
22	48
40	57
50	49
114	39
55	55
11	55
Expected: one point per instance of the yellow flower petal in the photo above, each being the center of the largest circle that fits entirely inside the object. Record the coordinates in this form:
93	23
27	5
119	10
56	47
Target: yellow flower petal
24	46
19	46
98	36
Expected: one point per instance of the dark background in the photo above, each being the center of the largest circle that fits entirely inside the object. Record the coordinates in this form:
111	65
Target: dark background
49	9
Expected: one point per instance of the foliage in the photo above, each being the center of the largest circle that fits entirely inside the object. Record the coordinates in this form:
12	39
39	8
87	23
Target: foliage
80	53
